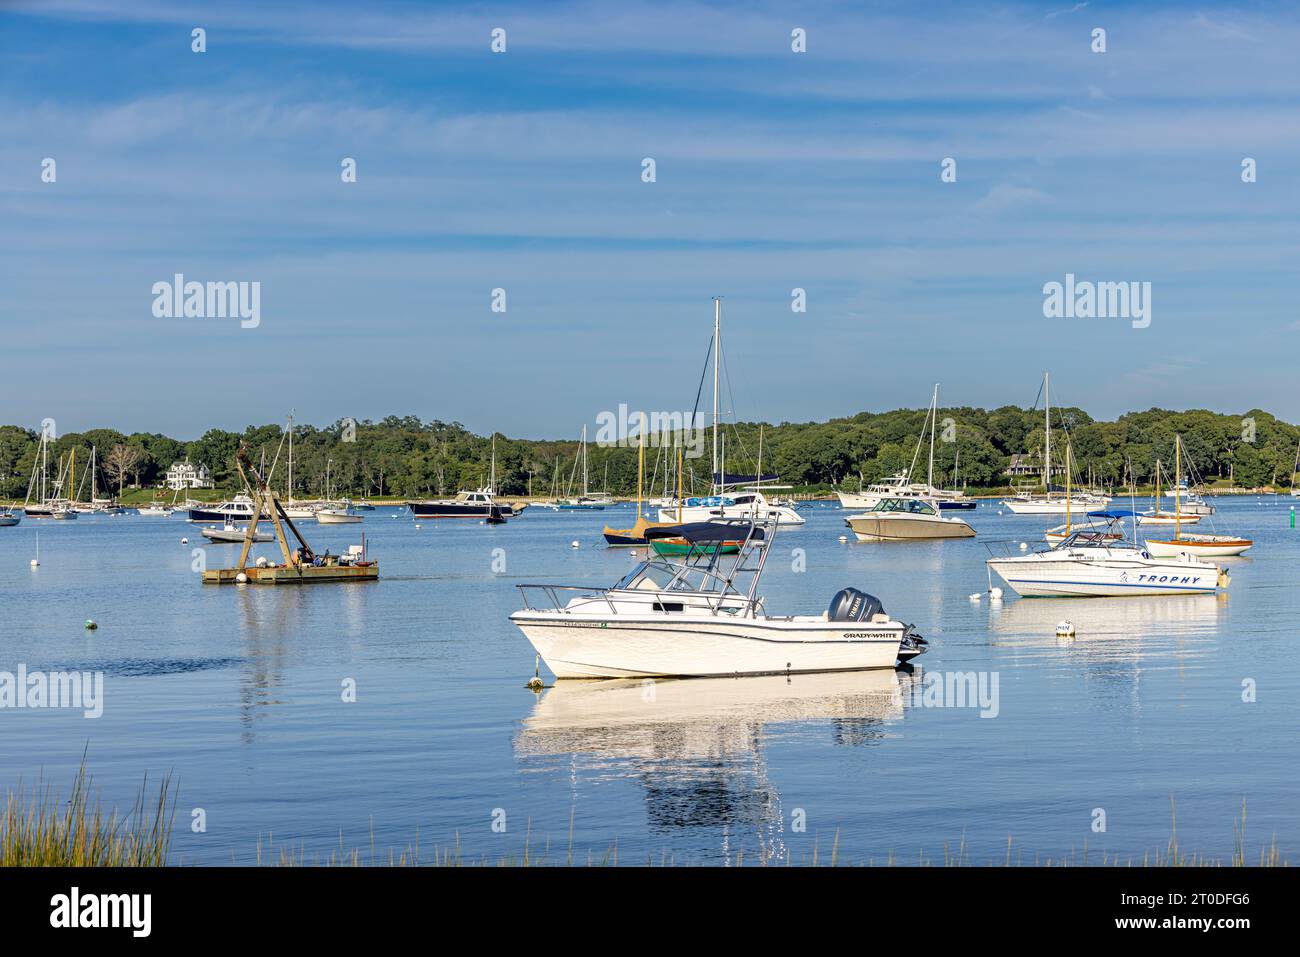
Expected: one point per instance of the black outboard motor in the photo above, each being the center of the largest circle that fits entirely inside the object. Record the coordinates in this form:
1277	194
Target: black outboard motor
850	604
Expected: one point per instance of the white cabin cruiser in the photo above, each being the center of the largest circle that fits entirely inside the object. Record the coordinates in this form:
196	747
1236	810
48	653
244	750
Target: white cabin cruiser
748	505
1092	562
702	616
906	519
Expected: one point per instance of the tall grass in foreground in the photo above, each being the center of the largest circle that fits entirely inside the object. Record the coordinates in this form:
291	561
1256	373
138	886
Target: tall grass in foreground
38	829
1172	855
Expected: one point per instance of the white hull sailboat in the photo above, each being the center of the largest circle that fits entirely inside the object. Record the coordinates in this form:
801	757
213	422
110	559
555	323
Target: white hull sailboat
1049	504
1180	545
733	498
699	617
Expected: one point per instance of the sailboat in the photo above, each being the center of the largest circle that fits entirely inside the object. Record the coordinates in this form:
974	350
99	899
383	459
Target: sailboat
634	536
54	506
585	501
1047	504
902	486
734	497
1201	544
1154	516
1059	534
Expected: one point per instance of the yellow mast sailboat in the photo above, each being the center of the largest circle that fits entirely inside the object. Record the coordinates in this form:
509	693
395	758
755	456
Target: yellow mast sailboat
630	537
1214	546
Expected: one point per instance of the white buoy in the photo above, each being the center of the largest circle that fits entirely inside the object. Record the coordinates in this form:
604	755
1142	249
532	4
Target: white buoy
241	578
417	527
35	563
844	538
185	541
995	594
976	597
574	544
1065	629
1023	546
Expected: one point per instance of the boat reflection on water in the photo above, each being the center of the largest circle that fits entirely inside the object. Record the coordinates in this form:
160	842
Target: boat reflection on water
697	745
1118	635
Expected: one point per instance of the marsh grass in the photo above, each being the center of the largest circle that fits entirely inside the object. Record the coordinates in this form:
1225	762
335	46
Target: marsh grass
39	829
1172	855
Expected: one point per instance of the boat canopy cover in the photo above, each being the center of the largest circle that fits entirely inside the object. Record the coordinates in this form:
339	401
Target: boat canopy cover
732	478
1114	513
696	532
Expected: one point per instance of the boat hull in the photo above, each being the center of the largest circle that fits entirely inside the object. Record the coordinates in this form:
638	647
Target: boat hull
885	527
1054	507
1081	578
703	647
1210	546
785	517
457	509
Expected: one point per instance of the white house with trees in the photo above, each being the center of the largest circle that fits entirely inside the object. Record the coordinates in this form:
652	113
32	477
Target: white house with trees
184	475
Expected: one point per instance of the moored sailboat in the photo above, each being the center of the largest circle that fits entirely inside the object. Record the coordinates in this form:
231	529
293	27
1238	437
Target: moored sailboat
1215	546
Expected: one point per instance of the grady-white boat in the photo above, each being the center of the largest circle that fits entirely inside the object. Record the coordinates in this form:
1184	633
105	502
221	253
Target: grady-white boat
702	616
903	519
1091	562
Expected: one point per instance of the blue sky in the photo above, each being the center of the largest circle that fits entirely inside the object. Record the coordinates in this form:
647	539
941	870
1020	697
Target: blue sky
522	170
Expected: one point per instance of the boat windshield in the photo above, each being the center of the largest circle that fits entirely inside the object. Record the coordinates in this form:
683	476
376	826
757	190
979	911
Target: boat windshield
706	568
912	505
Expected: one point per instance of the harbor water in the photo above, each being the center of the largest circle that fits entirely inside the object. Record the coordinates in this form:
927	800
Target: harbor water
388	714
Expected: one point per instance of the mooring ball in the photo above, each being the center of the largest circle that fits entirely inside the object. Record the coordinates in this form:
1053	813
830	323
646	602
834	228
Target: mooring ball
1023	546
574	544
35	563
90	624
241	578
996	593
185	541
844	538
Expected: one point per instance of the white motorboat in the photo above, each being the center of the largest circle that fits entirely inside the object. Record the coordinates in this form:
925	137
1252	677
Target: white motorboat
230	533
702	616
905	519
337	516
1092	563
154	511
902	486
750	505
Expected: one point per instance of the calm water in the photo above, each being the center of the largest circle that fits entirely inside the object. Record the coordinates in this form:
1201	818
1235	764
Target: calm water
237	693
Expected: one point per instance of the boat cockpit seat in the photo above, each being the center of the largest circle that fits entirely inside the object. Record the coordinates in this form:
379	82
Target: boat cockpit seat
850	604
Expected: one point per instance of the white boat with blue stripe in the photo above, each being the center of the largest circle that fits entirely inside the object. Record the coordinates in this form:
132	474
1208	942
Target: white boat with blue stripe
1092	563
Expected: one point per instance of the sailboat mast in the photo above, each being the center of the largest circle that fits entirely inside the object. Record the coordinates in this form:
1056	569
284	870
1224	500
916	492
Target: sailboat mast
1047	441
640	468
934	411
717	350
1178	471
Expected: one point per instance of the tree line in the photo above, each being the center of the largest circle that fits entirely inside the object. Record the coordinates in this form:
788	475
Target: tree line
408	457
